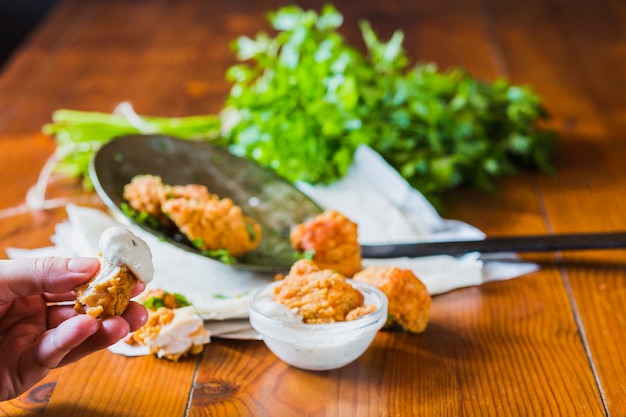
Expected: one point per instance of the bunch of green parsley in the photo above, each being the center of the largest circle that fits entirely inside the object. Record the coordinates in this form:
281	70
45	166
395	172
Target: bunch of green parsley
302	100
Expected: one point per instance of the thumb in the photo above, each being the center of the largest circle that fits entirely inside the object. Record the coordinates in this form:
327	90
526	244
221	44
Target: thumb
32	276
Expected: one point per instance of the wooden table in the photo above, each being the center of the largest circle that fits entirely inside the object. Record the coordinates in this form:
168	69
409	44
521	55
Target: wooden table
549	343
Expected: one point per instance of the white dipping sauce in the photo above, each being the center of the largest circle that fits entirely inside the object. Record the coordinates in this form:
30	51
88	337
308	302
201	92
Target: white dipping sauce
278	311
119	246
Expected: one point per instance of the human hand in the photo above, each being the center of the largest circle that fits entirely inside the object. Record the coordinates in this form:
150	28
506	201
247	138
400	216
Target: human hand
37	335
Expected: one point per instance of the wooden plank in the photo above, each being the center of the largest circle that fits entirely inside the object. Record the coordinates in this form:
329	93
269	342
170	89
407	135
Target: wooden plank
517	208
105	384
34	401
575	49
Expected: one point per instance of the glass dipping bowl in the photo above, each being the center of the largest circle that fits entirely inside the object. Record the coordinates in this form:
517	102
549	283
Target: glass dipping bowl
316	346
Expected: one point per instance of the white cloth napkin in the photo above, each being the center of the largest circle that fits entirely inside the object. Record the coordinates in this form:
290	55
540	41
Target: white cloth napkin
372	194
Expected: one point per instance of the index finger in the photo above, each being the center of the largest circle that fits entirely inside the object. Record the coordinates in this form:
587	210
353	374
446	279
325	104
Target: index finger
32	276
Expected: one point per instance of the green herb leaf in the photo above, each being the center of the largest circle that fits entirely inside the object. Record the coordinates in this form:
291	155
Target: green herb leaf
155	302
310	99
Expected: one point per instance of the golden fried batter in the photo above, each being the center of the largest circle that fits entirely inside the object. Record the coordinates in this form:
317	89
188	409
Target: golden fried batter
156	320
209	222
320	295
194	192
333	238
409	301
106	296
214	224
145	193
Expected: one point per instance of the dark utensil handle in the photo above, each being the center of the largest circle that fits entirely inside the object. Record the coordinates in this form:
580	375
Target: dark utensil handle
538	243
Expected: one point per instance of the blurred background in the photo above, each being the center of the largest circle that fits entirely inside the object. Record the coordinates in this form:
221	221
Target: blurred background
17	19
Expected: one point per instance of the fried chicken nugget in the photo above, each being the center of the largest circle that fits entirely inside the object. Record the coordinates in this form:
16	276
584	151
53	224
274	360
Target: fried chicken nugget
409	300
333	238
124	259
214	224
320	295
206	220
106	297
146	193
172	333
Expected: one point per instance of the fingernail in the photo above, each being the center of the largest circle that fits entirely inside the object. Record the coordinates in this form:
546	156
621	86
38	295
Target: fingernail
81	264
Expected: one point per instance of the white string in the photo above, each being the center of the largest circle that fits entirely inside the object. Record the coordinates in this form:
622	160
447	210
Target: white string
36	195
126	110
25	208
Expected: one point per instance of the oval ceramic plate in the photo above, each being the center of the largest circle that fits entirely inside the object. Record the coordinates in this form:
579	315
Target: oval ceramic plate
269	199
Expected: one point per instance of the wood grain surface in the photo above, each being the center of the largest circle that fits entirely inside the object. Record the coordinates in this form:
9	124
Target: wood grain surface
548	343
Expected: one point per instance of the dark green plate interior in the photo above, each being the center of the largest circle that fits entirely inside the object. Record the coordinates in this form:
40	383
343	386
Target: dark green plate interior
269	199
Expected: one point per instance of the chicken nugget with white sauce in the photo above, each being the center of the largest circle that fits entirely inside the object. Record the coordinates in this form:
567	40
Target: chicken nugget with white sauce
173	328
124	259
320	295
172	333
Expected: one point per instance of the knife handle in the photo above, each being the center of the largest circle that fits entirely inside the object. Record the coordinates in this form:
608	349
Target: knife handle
531	243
